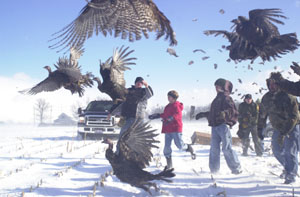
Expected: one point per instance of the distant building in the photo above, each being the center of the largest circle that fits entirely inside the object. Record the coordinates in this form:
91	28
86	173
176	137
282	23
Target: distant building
64	120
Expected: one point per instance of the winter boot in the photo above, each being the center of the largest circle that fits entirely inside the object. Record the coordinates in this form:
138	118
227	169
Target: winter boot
289	179
283	174
246	145
191	150
169	162
259	154
245	152
237	171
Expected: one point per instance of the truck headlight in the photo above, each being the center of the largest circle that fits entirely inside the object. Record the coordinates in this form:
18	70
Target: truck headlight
113	121
81	119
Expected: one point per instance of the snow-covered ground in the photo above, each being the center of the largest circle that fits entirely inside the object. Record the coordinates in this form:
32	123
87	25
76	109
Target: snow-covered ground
50	161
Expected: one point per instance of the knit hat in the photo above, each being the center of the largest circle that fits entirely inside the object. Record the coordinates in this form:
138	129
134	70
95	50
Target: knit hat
220	82
248	96
276	76
173	94
225	85
138	79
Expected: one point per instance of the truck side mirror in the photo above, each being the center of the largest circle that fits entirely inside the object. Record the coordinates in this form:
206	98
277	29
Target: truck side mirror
79	110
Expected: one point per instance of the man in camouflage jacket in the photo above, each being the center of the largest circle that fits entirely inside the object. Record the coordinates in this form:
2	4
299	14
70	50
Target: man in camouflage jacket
283	113
248	114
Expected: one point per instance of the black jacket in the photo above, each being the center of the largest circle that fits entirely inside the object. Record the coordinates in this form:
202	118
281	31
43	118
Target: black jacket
133	98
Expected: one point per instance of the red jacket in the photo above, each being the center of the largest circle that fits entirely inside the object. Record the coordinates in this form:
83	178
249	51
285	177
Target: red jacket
172	118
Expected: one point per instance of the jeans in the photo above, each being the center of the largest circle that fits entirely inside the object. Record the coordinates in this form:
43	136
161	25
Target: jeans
256	140
125	127
262	145
287	153
177	137
222	134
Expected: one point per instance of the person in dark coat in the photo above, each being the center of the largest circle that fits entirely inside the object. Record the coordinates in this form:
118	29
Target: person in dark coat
134	107
221	117
283	113
172	127
248	115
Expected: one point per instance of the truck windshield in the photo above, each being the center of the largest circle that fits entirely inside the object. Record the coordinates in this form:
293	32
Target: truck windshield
99	106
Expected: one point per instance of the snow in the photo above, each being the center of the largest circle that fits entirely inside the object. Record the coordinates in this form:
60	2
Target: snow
50	161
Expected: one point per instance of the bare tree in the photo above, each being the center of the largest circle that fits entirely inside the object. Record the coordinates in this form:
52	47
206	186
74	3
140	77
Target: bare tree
41	107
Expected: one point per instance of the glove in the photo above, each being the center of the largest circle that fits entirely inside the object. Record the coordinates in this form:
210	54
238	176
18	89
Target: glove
220	117
260	133
154	116
201	115
244	125
170	119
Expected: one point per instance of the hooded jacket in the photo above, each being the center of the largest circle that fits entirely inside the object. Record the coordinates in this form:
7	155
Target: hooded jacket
172	118
223	109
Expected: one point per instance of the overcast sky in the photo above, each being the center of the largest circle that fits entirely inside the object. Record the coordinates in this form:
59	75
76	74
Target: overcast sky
27	26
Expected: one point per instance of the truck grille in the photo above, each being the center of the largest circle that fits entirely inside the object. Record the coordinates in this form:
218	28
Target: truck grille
99	121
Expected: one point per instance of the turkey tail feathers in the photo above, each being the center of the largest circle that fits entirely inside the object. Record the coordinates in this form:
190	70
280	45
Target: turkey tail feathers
165	174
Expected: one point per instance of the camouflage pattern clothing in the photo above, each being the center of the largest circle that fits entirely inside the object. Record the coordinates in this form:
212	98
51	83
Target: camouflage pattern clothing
282	110
248	115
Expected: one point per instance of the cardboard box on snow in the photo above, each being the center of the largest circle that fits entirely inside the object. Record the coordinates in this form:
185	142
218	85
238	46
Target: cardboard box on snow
204	139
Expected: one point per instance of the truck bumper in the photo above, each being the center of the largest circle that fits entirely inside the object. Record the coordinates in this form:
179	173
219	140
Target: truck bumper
98	132
112	136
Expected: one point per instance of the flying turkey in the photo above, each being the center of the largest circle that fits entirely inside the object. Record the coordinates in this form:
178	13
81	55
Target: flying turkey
258	36
296	68
290	87
134	155
172	51
112	72
125	18
67	75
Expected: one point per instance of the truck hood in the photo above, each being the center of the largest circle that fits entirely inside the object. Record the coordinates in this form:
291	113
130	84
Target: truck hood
94	113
